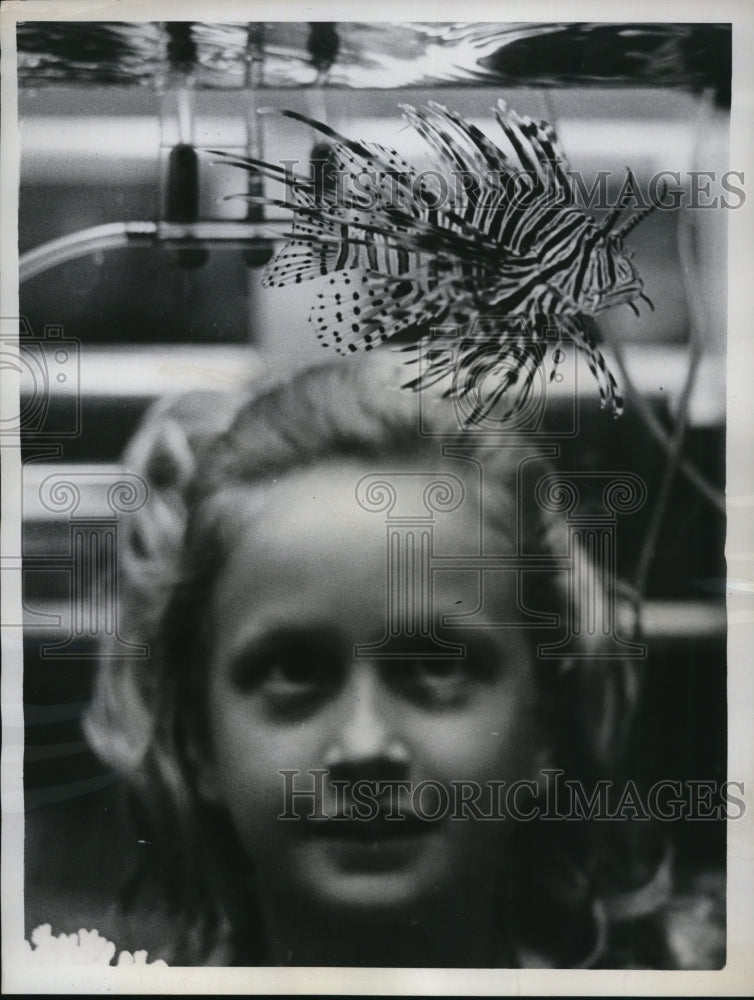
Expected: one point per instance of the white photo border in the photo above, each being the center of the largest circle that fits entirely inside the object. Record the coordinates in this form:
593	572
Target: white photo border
738	974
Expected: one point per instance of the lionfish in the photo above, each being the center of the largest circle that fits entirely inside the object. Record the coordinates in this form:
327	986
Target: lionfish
503	251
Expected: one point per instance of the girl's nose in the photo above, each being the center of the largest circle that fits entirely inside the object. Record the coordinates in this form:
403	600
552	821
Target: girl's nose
366	729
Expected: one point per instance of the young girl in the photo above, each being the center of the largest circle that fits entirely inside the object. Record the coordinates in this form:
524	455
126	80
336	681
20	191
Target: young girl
329	670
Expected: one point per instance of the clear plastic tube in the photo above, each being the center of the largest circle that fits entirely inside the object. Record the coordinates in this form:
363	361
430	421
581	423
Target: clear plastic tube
115	235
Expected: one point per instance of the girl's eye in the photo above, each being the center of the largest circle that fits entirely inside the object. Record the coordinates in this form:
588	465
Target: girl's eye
447	681
435	681
289	668
299	672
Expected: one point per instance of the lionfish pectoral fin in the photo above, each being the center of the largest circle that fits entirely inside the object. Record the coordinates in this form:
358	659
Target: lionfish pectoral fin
579	333
359	310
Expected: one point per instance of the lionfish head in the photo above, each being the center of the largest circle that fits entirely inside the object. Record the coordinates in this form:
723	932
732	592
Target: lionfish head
611	278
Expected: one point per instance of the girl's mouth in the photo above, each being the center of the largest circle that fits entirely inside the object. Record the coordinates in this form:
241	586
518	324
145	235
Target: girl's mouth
385	828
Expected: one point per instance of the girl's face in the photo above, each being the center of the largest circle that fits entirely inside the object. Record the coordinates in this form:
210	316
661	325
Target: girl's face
304	586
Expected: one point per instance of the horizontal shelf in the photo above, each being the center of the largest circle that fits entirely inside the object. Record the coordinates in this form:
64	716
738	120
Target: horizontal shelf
152	372
663	620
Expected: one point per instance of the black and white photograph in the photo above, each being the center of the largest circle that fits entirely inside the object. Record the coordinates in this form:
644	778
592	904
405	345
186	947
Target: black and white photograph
377	547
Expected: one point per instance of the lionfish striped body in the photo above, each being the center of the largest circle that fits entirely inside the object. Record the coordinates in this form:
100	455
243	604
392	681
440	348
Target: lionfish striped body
493	242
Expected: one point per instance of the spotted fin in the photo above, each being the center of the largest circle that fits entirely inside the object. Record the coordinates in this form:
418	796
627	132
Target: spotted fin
356	310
